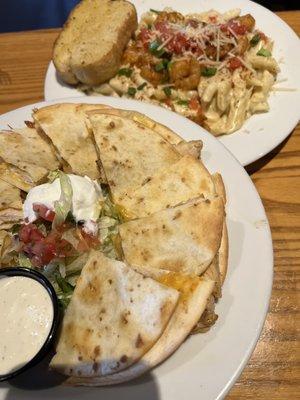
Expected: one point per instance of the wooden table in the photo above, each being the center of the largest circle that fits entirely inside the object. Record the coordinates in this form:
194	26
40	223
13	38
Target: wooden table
273	371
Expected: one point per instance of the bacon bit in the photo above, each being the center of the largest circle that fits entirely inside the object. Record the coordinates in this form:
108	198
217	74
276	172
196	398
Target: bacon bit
213	19
234	63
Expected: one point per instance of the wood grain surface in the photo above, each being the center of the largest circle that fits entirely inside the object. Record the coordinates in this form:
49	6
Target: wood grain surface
273	372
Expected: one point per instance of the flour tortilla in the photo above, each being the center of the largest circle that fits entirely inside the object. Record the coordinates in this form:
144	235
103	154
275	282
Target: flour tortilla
192	148
10	196
141	119
5	244
184	239
129	152
10	217
186	179
192	302
27	150
115	316
224	246
65	125
15	176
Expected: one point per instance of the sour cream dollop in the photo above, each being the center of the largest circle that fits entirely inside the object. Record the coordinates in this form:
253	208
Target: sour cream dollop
26	316
85	201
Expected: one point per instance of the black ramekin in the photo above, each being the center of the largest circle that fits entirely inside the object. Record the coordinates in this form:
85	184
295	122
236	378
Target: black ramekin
33	274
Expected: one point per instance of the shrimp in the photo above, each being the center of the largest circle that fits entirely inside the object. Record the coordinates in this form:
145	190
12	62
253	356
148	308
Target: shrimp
243	44
185	74
152	76
173	17
248	21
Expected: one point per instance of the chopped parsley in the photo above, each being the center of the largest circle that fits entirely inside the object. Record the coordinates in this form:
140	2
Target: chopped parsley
208	71
154	11
161	65
153	48
141	87
125	72
264	52
183	102
167	90
131	91
255	39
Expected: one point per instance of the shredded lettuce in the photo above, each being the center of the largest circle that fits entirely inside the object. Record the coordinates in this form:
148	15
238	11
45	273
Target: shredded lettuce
63	206
24	261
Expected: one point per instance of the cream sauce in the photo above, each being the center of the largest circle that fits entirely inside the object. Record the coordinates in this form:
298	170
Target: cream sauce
26	315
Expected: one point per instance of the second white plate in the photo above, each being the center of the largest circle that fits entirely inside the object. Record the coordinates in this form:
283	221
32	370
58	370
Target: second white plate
262	132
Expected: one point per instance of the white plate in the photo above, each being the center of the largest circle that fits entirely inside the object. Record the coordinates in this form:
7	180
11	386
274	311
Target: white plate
206	365
261	133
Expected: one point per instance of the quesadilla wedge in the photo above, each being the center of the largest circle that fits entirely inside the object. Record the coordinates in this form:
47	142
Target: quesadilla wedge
166	133
5	242
192	148
224	246
184	238
129	152
27	150
10	196
114	317
9	217
184	180
195	292
15	176
65	125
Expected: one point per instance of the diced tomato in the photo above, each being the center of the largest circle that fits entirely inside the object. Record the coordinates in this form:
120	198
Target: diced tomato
237	28
163	27
194	104
178	44
44	212
224	28
30	233
235	63
43	252
144	35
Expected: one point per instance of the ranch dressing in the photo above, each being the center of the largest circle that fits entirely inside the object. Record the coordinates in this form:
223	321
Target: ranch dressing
26	315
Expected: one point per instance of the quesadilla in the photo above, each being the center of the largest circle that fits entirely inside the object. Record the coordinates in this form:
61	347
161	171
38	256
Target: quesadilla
65	125
184	180
15	176
5	242
114	317
166	133
10	196
184	238
28	151
10	205
129	152
192	147
195	292
223	250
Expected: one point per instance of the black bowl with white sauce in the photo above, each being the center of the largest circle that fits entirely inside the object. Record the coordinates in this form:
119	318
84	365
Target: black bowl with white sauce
29	317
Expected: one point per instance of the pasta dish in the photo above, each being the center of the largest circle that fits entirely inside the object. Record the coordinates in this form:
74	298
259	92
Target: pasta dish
216	69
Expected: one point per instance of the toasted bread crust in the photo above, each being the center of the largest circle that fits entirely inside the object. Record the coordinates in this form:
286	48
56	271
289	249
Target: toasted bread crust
92	57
